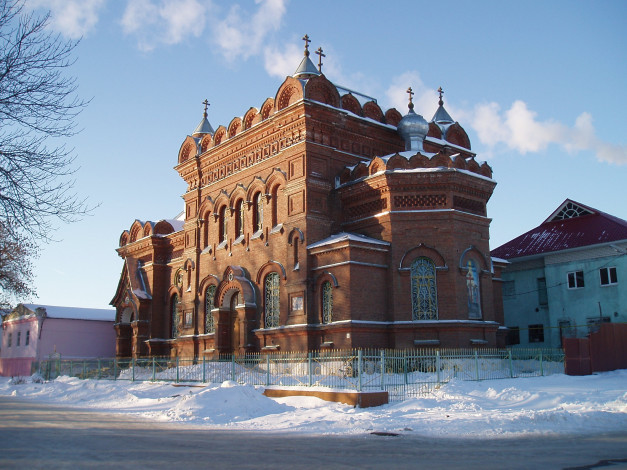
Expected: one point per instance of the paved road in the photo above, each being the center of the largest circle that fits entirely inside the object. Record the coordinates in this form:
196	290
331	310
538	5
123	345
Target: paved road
36	435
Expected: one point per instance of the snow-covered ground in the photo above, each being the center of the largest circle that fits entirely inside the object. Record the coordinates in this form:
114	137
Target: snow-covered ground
557	404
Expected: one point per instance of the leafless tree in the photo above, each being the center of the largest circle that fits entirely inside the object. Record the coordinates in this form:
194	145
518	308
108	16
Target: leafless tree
16	273
38	107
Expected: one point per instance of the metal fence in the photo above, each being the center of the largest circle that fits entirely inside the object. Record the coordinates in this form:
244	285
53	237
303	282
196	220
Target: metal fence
403	373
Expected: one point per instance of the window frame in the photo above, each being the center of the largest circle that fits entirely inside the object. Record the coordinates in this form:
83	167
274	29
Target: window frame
424	290
538	333
611	276
575	284
272	297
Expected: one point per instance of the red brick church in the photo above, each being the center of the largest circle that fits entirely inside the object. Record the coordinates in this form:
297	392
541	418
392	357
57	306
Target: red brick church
318	220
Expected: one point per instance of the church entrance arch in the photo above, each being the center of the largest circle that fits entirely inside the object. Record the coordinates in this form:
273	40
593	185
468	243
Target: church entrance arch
231	301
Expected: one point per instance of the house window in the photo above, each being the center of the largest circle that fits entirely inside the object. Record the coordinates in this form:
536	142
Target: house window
27	339
536	333
575	280
19	336
513	335
174	315
327	302
509	290
272	300
543	297
9	340
258	212
608	276
209	306
424	294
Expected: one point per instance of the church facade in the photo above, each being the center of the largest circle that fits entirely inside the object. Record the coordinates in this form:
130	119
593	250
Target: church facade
318	220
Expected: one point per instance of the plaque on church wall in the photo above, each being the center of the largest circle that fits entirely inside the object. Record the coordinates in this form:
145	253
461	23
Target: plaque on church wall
188	319
296	167
297	303
296	203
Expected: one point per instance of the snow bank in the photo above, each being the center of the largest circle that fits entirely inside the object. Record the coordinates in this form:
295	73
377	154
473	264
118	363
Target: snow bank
556	404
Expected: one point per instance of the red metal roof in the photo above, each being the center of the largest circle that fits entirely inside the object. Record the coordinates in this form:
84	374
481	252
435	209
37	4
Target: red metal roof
556	235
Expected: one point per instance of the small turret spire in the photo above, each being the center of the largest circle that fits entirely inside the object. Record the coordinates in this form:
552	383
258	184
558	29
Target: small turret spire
441	92
203	127
410	92
206	103
307	41
320	56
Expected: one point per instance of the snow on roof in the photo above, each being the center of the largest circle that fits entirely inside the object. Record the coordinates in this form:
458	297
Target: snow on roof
345	236
177	224
74	313
556	235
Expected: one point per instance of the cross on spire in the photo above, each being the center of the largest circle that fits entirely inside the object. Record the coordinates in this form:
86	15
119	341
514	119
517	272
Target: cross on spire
307	41
441	92
321	55
411	94
206	103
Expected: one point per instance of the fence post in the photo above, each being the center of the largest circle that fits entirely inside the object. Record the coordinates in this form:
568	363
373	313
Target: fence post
511	367
382	369
438	365
233	367
267	370
541	364
203	369
309	368
177	369
359	367
476	364
405	364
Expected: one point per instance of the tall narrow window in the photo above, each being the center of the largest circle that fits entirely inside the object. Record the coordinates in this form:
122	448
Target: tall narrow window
424	295
258	212
224	224
239	219
272	300
19	336
209	306
174	315
543	297
27	339
275	206
327	302
473	287
575	280
9	340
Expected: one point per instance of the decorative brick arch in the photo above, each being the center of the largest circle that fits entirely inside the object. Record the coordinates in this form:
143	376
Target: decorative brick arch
320	89
270	266
434	131
136	231
422	250
441	160
457	135
209	280
148	229
350	103
397	162
393	117
288	93
235	278
249	118
124	238
219	136
255	186
486	170
473	250
163	227
267	109
360	170
187	150
419	161
473	166
235	127
373	111
206	143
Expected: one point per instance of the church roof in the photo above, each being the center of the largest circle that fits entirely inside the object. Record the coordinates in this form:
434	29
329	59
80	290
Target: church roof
74	313
347	236
441	116
203	128
572	225
306	69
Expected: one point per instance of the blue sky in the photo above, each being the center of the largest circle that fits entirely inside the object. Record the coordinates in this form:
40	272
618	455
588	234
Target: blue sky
538	85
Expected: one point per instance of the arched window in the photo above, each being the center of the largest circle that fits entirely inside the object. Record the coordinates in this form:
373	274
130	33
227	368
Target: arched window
272	300
424	294
224	224
210	294
258	212
239	219
327	302
174	315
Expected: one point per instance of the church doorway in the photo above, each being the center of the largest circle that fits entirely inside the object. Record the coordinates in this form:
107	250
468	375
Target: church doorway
234	322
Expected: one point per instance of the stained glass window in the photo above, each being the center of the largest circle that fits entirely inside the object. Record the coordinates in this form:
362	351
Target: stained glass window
272	300
209	299
327	302
473	287
424	294
175	316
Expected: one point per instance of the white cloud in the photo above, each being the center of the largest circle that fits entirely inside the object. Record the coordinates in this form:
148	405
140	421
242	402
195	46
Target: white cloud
519	129
72	18
157	22
282	63
241	35
425	99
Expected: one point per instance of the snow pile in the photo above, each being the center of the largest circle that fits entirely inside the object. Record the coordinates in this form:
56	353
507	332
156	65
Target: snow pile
557	404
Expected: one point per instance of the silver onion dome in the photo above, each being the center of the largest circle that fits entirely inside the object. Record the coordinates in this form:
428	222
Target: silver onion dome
413	128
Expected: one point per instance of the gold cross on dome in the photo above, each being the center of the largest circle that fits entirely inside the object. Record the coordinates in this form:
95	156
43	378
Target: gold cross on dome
206	103
321	55
441	92
410	92
307	41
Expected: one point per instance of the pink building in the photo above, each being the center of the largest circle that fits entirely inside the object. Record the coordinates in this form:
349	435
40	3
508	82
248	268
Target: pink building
34	332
